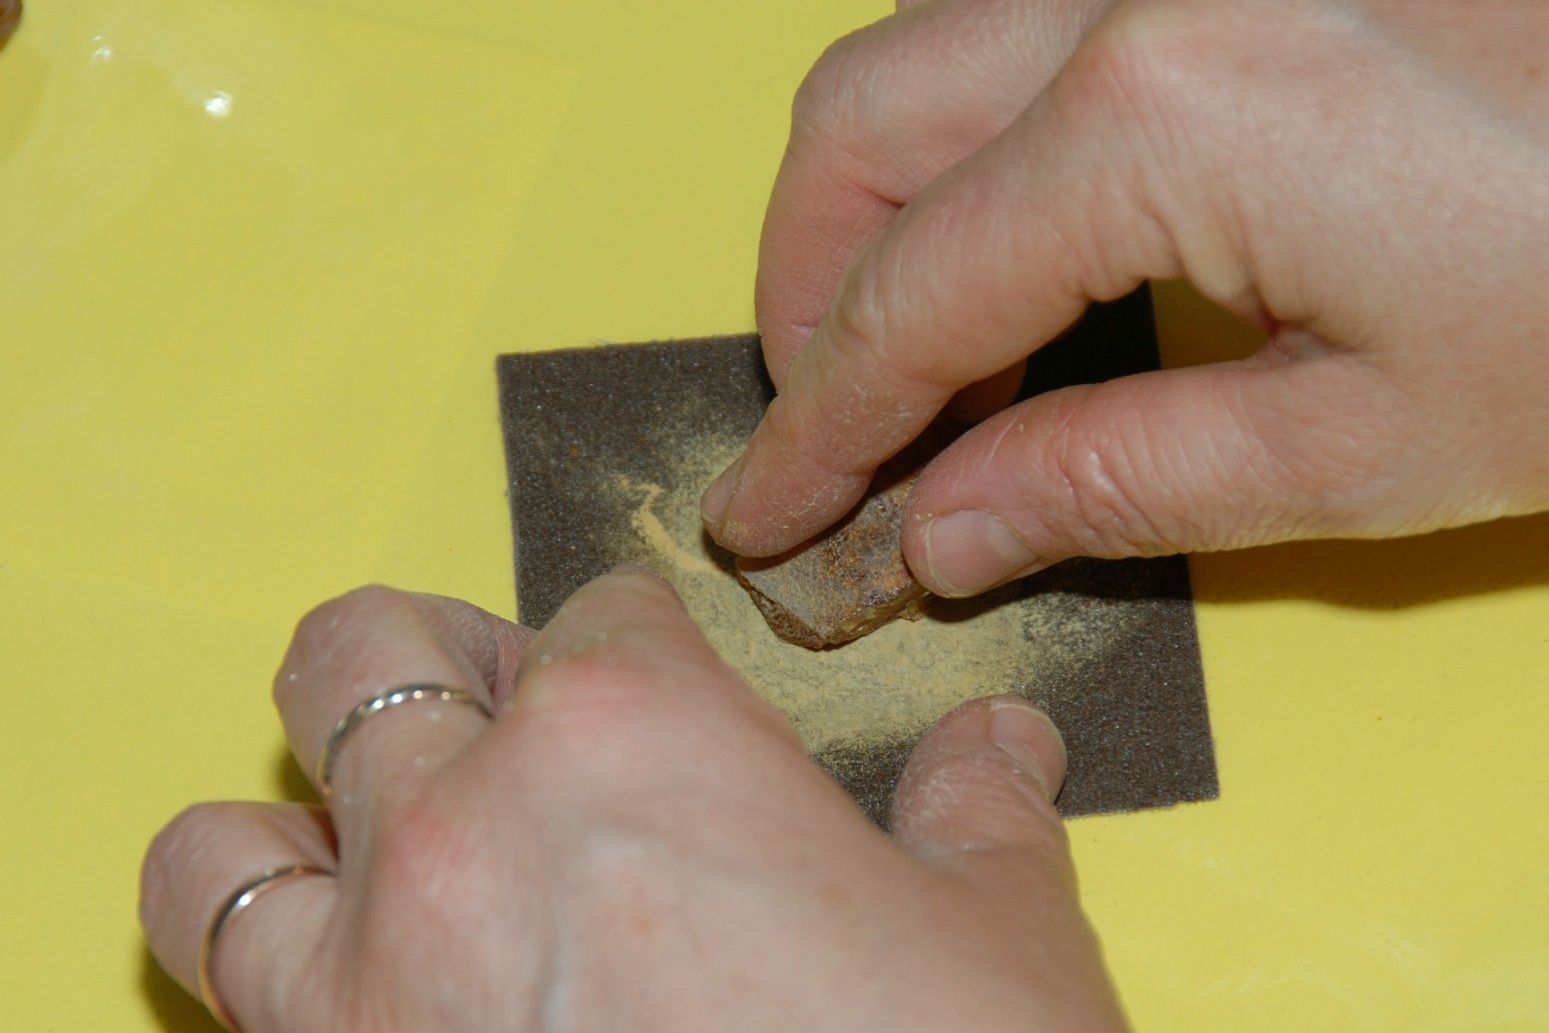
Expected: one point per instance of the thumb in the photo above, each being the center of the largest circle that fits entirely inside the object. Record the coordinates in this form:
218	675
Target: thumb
1189	460
976	801
977	797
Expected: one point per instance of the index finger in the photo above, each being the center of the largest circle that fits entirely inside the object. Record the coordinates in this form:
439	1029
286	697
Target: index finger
625	642
883	363
986	265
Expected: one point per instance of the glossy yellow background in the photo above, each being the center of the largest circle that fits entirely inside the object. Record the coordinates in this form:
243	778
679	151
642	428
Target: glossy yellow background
256	257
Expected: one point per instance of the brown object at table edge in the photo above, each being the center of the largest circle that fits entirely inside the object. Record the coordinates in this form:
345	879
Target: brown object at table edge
10	17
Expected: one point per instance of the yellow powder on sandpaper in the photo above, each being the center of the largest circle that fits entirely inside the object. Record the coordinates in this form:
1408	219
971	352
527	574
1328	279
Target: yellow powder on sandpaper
888	686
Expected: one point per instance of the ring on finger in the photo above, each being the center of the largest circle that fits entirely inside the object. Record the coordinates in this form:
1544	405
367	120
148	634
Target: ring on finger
239	900
386	700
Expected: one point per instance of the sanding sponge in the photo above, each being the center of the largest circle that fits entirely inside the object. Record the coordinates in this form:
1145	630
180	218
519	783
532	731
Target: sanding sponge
608	450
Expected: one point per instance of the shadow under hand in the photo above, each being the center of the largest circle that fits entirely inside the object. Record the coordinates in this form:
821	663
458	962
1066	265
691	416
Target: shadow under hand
290	782
175	1009
1383	575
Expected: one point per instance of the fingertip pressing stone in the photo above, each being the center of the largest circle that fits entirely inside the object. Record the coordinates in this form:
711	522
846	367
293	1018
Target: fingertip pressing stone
843	585
852	579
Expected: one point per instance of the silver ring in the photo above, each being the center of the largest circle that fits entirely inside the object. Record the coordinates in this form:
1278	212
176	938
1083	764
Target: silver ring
375	705
238	902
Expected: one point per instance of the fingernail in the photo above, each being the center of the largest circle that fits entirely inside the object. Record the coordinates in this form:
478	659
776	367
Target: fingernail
971	550
712	505
1026	735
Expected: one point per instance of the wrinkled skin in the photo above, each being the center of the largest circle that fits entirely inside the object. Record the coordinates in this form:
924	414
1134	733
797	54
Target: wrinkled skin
1364	180
637	842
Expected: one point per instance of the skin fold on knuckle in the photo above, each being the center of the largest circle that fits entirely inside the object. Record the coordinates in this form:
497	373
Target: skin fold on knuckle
489	643
179	843
832	107
593	669
636	593
872	329
855	328
1135	61
334	627
607	684
1083	483
1151	99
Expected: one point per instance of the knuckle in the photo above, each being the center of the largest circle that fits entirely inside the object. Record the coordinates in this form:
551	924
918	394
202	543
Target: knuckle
418	844
431	873
1095	477
352	607
330	629
624	596
884	318
637	587
593	715
1164	85
849	107
178	844
1130	63
190	830
594	689
831	92
594	728
860	316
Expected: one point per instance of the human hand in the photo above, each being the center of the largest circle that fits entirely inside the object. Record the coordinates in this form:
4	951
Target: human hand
637	841
1369	182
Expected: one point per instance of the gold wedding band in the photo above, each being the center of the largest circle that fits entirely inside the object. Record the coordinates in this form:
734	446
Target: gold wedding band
375	705
238	902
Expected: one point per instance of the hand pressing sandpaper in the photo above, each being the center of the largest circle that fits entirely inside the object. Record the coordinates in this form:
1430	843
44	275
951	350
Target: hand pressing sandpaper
608	450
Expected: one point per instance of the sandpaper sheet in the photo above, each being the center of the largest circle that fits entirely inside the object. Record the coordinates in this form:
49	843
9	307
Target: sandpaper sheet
608	449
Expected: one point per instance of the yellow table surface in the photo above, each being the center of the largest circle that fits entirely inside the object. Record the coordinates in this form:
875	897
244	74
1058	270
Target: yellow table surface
256	257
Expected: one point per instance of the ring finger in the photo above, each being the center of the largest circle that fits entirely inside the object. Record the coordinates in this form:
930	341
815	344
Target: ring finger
380	687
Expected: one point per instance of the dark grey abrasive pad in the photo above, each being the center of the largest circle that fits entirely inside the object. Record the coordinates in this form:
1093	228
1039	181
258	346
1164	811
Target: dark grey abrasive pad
608	449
